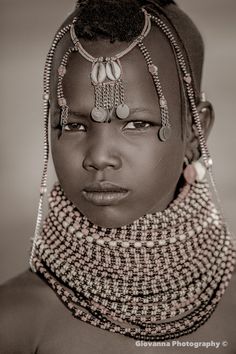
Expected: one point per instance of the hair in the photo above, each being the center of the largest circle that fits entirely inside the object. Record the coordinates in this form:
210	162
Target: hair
123	20
116	18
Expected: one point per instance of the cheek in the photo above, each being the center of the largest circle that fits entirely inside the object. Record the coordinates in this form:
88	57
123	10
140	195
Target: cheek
67	159
161	161
157	174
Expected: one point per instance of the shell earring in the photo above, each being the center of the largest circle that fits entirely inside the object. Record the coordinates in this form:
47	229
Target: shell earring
194	171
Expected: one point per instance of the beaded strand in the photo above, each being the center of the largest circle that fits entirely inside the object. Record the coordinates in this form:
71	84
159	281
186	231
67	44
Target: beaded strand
162	286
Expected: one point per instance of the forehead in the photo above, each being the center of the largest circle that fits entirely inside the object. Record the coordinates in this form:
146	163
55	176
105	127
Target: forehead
138	83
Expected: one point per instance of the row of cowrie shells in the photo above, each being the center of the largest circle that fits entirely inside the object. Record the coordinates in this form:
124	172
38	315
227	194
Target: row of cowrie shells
101	71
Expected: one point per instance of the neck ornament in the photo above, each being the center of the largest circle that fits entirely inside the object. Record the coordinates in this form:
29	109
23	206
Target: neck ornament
158	278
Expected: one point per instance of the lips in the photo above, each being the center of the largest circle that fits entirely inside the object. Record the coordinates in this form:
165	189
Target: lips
104	193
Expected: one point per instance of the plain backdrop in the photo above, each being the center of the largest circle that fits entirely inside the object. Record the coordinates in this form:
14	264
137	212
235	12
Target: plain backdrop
26	31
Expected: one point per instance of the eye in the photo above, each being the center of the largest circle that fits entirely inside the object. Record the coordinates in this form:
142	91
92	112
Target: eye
74	127
138	125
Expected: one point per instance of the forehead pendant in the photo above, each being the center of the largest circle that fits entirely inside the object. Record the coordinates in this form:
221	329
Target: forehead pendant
107	78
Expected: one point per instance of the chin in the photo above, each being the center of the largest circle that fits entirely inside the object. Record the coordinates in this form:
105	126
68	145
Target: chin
109	217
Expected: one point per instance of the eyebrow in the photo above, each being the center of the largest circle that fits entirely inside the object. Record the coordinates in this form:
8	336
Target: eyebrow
132	111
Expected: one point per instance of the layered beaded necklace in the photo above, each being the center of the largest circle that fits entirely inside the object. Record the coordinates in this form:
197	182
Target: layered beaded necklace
158	278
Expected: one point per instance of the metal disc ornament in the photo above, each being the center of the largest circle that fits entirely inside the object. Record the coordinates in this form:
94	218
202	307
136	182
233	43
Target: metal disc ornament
99	114
122	111
164	133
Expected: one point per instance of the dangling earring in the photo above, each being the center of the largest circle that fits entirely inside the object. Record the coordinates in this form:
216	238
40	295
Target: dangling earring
189	172
194	171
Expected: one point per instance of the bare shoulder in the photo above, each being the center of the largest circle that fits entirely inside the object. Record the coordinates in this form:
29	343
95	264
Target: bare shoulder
221	326
23	307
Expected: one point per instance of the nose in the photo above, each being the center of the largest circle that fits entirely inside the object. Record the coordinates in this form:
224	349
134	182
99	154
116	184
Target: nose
103	150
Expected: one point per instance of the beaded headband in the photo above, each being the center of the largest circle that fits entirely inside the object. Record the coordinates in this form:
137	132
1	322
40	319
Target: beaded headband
164	132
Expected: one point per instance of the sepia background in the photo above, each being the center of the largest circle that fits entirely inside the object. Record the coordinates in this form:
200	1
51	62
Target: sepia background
26	30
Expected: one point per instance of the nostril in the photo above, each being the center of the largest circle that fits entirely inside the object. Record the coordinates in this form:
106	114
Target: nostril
100	161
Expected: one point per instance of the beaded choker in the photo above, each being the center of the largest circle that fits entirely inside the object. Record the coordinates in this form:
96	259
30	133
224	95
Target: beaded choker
158	278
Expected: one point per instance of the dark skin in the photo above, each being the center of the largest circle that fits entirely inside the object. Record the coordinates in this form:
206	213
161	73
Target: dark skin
38	320
34	320
125	152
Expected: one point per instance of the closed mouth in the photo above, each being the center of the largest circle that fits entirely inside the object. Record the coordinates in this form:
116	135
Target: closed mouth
104	198
104	193
104	187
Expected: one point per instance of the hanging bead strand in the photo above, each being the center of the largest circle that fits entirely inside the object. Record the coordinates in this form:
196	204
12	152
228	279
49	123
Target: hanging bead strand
46	108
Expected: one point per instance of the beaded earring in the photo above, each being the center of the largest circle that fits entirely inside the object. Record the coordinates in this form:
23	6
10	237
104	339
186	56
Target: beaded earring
194	171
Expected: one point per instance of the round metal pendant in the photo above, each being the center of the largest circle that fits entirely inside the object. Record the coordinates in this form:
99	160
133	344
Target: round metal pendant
122	111
164	133
99	114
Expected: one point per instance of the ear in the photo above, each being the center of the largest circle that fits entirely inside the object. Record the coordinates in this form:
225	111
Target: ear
207	117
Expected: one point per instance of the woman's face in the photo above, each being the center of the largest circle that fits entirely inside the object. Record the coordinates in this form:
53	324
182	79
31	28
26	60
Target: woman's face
91	157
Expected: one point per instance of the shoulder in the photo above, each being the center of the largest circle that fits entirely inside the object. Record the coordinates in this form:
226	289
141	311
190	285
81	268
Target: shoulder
23	307
221	325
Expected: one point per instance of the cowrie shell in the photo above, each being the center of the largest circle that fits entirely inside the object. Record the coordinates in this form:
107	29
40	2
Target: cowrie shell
98	73
109	72
101	73
113	71
117	69
94	73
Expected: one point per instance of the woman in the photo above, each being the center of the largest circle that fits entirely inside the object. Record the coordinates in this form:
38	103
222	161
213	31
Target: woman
133	246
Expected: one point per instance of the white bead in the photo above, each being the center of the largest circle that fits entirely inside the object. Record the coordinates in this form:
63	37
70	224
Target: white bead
172	240
215	216
65	224
125	244
200	169
71	229
112	243
150	244
162	242
89	239
216	222
79	235
137	244
46	97
191	233
210	162
100	242
153	69
198	229
182	237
